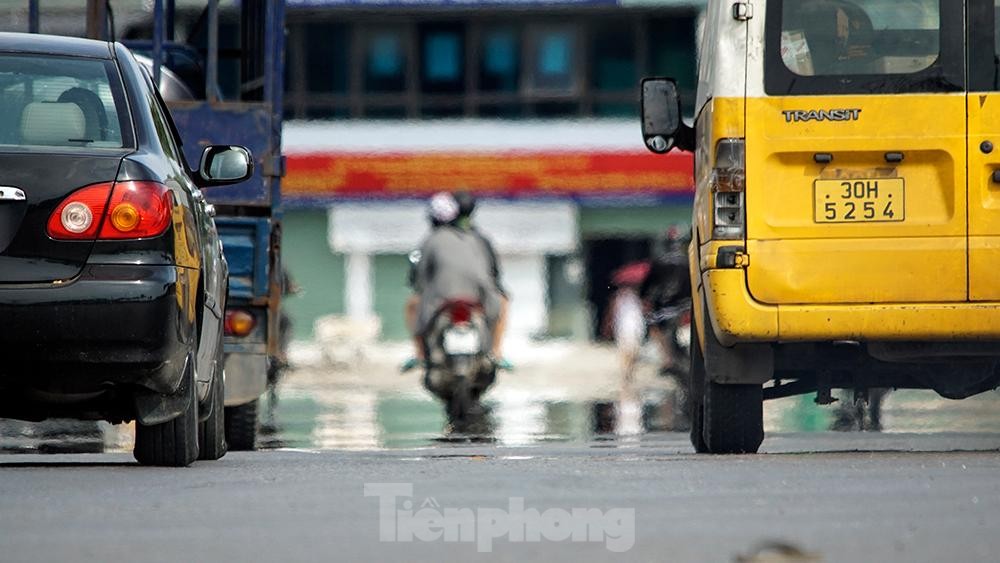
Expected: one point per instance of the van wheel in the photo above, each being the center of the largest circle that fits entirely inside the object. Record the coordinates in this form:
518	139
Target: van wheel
211	431
733	418
696	393
241	427
173	443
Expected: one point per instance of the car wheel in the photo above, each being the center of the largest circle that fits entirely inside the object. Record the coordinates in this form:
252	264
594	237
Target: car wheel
241	426
173	443
211	431
733	417
696	393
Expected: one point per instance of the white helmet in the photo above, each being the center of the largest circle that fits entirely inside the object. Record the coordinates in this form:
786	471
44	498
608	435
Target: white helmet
442	208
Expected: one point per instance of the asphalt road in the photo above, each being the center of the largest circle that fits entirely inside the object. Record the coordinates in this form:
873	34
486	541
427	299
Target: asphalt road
838	497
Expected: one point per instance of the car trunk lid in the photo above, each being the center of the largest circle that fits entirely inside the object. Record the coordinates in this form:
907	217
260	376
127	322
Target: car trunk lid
27	253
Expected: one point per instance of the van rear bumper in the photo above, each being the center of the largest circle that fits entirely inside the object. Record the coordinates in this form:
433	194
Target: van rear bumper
737	317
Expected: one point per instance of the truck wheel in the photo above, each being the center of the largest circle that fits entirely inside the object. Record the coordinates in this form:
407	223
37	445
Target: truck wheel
211	431
241	427
733	418
173	443
696	393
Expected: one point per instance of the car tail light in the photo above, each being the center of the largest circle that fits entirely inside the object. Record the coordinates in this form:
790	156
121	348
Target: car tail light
239	322
79	215
729	189
134	210
137	210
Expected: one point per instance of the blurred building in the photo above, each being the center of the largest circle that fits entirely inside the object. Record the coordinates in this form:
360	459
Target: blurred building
530	104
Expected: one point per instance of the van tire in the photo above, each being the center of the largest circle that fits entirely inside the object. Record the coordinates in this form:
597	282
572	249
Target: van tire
173	443
241	427
696	394
733	417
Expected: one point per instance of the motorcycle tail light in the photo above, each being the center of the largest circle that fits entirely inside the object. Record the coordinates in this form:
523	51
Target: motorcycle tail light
239	322
460	313
685	318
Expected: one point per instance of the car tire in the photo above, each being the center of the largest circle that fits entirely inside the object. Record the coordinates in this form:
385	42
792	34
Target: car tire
173	443
696	393
733	417
241	427
212	430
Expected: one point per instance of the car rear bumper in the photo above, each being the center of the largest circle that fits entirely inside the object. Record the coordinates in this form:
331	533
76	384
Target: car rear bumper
737	317
113	324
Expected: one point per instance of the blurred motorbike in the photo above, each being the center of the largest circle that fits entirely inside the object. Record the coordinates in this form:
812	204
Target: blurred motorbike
674	325
674	322
458	368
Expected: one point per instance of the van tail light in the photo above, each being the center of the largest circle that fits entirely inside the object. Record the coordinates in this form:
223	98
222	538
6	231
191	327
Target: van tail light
239	322
134	210
729	189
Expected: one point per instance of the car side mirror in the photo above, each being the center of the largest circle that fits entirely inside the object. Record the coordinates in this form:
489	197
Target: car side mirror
662	128
224	164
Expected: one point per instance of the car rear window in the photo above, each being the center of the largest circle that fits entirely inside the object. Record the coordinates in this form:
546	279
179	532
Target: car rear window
53	101
864	46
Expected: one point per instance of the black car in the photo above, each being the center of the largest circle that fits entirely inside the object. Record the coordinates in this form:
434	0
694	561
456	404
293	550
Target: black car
112	278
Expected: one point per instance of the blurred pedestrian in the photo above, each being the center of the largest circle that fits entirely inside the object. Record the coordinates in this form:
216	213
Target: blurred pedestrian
628	328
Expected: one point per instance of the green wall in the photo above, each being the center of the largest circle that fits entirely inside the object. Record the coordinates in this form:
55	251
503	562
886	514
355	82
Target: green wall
391	273
613	222
318	272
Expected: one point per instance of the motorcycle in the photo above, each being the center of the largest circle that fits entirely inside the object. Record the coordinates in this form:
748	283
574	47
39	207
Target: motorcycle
459	368
675	322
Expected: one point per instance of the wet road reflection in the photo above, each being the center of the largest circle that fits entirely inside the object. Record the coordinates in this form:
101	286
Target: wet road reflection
560	392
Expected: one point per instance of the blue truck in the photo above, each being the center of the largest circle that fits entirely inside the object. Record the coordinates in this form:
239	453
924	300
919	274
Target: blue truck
242	103
224	81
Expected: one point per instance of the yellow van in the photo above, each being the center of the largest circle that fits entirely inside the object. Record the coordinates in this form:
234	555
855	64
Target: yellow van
847	212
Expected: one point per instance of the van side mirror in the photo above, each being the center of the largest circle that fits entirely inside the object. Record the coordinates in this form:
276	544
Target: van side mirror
662	127
224	164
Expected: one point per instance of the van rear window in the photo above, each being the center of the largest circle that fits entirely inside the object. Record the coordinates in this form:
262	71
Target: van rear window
863	46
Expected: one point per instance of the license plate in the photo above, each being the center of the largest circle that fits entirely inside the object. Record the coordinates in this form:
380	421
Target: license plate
859	201
461	341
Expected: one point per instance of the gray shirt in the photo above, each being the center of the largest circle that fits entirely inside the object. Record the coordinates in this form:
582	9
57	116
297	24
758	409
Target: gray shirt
456	263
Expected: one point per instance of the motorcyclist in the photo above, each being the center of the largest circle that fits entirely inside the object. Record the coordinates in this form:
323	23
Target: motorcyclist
455	261
665	291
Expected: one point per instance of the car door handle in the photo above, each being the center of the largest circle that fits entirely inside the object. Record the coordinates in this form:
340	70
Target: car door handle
996	176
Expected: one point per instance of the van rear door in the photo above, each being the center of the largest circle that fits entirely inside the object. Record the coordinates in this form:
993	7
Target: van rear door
984	150
856	154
